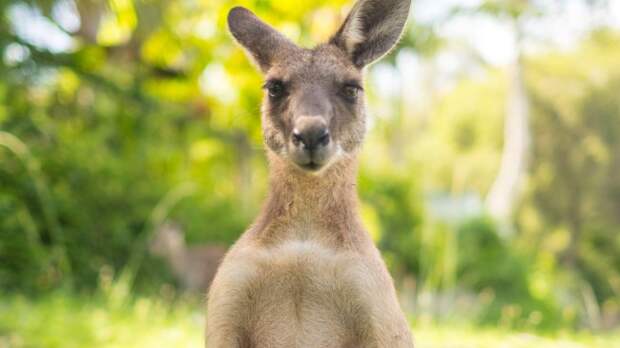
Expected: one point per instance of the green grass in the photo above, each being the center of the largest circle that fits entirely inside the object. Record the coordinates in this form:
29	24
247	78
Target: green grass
63	322
112	320
455	337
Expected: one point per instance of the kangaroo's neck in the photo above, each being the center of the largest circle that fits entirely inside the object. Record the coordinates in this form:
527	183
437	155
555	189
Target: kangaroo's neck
307	206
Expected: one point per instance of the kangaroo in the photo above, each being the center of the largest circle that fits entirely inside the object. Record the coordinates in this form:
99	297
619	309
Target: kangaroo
306	273
194	266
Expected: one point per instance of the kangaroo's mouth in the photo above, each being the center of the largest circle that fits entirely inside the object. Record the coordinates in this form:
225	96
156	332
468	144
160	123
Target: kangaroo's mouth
314	162
311	166
317	166
311	161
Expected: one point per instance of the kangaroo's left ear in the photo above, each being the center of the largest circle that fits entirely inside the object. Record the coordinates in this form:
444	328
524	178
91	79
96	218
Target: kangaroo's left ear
371	29
261	41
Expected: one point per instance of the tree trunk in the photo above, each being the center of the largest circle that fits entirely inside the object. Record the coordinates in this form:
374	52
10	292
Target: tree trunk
505	190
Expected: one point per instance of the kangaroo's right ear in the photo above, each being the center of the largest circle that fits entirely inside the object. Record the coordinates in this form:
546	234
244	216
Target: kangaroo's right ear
260	40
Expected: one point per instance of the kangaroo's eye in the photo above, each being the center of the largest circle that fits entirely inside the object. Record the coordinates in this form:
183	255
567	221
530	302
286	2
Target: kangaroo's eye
351	91
275	89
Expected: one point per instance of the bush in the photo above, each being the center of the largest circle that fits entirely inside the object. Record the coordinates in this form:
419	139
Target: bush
486	263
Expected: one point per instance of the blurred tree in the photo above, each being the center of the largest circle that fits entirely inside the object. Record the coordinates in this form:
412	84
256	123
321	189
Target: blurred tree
506	187
571	208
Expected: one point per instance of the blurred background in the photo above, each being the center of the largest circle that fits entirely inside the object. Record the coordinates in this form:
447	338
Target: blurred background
130	149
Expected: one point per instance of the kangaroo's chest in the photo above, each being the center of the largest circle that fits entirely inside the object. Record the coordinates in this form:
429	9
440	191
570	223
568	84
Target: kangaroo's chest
301	293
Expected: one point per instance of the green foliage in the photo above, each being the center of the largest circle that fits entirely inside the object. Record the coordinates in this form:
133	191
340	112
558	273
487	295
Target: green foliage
571	208
106	140
396	202
485	261
488	265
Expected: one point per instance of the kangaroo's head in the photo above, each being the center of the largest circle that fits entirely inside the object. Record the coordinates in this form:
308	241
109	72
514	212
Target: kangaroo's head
314	105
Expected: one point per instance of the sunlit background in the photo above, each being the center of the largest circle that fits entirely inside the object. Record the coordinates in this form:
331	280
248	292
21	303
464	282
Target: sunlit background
490	179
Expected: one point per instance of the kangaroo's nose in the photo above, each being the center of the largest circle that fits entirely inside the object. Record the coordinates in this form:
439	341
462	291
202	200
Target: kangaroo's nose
311	136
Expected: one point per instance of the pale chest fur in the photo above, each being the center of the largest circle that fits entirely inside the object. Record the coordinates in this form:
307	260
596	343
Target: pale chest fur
301	293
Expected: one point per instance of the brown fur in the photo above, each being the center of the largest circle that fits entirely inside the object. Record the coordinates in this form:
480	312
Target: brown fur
306	273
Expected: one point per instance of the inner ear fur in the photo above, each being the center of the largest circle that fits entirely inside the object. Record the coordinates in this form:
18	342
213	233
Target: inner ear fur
372	29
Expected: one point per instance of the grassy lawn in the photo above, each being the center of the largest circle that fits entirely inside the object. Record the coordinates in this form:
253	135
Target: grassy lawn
112	321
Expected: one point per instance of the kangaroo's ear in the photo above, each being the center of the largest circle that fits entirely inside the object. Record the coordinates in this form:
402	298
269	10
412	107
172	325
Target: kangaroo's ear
261	41
371	29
